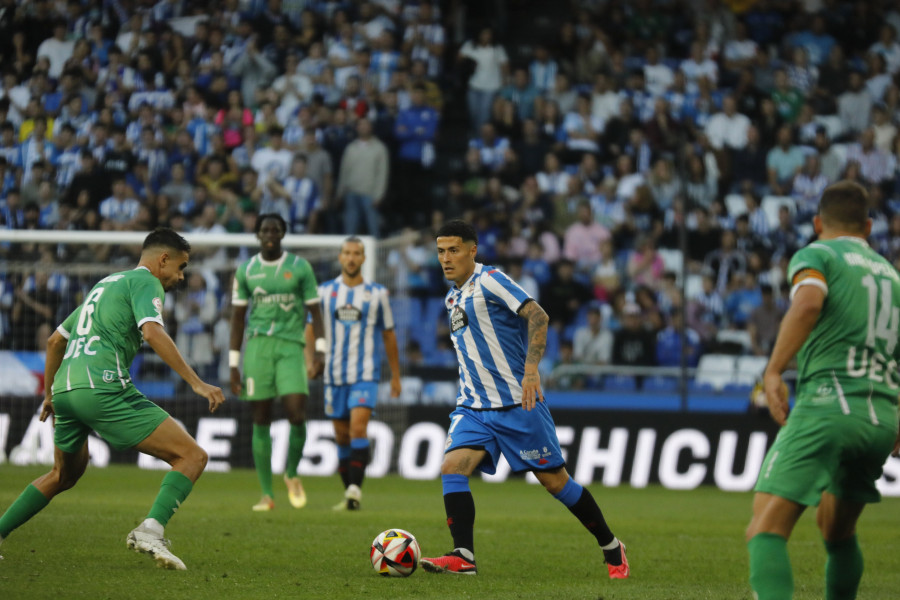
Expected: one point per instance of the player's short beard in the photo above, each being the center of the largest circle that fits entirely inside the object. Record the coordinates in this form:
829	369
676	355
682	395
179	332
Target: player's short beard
352	274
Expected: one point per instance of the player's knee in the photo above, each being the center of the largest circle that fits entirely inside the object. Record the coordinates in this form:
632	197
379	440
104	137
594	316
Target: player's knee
198	457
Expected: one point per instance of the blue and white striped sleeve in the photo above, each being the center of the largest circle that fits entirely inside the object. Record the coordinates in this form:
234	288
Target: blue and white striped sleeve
387	316
499	288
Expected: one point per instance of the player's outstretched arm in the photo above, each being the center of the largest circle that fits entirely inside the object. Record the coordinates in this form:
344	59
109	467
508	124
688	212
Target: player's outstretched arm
537	343
155	335
796	326
236	339
56	349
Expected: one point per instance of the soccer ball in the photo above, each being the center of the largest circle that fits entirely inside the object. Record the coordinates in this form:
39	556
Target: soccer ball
395	553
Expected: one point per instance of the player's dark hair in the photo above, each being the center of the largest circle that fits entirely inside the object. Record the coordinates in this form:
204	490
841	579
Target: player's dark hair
273	216
458	228
354	240
166	237
845	204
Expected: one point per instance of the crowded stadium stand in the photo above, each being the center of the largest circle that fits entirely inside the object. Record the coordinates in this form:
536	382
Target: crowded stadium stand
645	169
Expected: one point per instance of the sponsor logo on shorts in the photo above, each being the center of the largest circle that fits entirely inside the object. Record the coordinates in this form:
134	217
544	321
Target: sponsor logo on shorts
529	454
449	442
109	376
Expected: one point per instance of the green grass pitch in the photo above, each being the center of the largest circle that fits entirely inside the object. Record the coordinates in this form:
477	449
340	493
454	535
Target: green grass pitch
681	544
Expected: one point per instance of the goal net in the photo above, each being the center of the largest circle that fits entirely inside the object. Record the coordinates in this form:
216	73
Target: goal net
44	275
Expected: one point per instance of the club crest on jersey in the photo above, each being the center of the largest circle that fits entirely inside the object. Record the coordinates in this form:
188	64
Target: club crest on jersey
157	304
288	274
348	314
459	320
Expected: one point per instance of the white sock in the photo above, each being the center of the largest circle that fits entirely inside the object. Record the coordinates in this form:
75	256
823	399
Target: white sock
153	526
466	553
612	545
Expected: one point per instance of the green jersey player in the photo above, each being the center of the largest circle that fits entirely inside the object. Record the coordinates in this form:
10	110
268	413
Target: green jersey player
843	327
278	288
88	388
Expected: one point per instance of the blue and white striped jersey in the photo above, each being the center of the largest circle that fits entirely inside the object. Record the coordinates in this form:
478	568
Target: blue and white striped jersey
354	319
490	338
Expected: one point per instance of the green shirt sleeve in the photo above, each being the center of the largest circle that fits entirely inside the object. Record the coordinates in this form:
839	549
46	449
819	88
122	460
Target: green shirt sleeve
308	286
815	256
147	296
68	326
240	295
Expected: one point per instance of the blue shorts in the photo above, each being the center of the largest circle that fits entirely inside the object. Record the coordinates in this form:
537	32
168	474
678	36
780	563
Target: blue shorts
527	439
341	399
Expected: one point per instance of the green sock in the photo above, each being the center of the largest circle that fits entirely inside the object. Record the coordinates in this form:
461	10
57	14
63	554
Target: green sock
174	489
296	441
262	457
29	503
843	569
770	567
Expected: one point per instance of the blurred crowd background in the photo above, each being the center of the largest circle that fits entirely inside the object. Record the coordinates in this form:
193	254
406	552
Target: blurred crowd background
579	136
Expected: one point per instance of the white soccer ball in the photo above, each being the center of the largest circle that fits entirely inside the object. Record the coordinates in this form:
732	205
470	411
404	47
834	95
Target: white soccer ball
395	553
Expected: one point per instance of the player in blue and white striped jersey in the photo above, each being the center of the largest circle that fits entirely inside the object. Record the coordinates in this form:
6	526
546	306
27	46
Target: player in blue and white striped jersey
500	333
355	311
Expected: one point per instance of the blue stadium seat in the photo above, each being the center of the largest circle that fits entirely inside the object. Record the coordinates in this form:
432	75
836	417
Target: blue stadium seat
660	383
619	383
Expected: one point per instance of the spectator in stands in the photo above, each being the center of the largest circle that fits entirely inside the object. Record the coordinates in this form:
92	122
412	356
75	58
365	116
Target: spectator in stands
697	66
802	75
664	183
195	312
552	180
727	261
878	78
739	52
875	165
491	147
783	162
120	210
592	343
489	69
645	265
34	312
670	339
582	129
748	164
564	295
563	94
254	70
728	129
786	97
658	76
742	300
633	345
701	187
763	322
604	100
583	239
855	105
416	132
808	187
362	181
521	93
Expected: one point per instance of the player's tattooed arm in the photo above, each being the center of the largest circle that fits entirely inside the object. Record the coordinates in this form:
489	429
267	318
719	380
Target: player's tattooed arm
537	331
537	342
